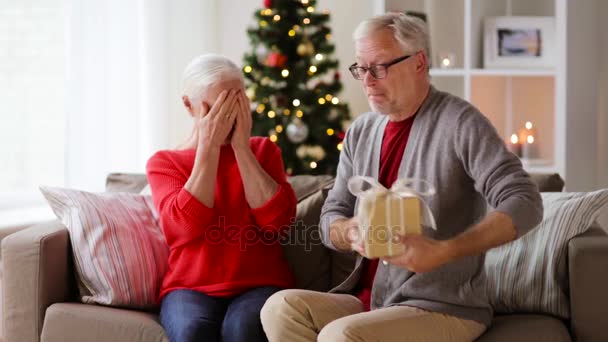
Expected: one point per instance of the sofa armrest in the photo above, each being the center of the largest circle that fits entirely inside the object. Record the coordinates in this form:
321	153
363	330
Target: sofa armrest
587	265
37	264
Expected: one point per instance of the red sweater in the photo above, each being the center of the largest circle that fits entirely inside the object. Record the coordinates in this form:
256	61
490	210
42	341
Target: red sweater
394	141
230	248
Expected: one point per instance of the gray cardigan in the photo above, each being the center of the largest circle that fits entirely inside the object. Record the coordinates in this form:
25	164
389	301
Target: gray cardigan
455	148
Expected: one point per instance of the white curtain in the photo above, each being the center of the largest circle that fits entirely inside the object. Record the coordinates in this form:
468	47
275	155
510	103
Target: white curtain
124	63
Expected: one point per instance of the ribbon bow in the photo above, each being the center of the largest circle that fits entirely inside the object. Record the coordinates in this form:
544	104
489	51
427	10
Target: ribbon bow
366	186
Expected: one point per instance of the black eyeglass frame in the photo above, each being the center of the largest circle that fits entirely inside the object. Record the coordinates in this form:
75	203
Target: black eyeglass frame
384	66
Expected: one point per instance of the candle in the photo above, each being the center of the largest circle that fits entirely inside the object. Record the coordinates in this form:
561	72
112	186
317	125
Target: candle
514	145
447	60
528	150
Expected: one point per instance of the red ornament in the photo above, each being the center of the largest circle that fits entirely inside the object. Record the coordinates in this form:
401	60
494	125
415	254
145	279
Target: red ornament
276	60
340	135
267	3
337	76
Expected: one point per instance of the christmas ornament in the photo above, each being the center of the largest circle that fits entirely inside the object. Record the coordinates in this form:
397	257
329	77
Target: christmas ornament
276	60
267	3
297	131
262	53
282	100
337	76
306	48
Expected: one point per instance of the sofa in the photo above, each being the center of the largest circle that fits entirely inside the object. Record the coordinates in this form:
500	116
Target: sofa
40	295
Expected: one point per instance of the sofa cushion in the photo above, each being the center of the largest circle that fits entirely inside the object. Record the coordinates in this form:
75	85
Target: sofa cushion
126	182
74	322
530	274
306	255
120	252
548	182
526	328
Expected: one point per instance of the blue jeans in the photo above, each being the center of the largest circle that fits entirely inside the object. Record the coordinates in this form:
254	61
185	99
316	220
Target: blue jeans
188	315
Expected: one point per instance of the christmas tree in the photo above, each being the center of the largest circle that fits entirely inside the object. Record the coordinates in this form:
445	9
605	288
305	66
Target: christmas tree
293	84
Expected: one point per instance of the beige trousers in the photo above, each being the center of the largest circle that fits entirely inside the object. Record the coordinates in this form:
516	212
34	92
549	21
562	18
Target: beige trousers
302	315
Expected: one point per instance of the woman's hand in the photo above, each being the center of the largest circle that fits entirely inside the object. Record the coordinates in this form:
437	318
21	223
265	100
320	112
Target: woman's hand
242	129
215	126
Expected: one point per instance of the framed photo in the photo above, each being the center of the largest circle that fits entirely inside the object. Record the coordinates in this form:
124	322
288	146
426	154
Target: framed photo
519	42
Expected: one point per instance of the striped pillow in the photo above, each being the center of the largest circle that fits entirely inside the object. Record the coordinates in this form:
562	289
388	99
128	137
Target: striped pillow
119	250
530	274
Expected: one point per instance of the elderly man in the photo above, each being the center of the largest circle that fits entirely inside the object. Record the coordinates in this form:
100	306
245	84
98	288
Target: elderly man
222	199
435	290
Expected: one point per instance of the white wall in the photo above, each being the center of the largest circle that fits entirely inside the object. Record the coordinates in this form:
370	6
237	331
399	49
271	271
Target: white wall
602	117
189	37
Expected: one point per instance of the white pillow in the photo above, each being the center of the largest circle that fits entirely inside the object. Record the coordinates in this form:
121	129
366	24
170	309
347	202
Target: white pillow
530	274
119	250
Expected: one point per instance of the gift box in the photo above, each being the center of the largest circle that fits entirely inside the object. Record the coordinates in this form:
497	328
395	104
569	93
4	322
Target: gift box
384	213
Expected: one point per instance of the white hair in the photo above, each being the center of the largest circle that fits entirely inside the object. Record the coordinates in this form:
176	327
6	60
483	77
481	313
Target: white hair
205	70
411	32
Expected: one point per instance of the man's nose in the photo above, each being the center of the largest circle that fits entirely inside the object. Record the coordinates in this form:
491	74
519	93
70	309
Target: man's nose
368	79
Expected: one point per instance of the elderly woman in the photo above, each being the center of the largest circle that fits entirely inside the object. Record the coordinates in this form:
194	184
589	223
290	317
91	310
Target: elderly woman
223	199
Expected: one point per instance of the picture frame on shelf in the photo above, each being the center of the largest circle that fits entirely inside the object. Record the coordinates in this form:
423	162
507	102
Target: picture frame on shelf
519	42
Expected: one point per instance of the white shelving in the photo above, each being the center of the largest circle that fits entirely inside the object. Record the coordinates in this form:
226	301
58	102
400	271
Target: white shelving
509	97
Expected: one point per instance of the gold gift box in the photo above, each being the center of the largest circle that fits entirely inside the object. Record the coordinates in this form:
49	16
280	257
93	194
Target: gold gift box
383	215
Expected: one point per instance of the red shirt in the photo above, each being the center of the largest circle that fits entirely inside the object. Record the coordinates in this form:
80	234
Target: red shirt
394	141
230	248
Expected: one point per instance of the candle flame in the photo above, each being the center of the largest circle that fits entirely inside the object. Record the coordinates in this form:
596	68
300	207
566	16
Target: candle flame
528	125
530	139
514	139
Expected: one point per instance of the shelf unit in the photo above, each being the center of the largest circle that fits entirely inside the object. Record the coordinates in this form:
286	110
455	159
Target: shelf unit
508	97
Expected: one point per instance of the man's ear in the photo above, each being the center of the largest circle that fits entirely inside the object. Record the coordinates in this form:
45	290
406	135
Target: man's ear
422	62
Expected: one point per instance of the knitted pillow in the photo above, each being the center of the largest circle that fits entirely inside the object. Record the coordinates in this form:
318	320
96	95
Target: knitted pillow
120	253
530	274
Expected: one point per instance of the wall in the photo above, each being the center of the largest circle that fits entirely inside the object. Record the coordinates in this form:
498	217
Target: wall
189	36
602	116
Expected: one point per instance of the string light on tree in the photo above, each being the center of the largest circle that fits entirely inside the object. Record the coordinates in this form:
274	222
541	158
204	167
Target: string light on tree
296	102
284	73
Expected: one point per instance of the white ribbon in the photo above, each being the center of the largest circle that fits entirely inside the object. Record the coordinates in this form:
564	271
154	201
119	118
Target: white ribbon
364	186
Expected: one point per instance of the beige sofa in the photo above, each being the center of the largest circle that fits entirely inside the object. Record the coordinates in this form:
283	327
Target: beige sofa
40	296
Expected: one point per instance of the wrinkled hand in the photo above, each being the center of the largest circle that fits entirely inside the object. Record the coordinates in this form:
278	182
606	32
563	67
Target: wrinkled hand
352	235
422	254
215	126
242	129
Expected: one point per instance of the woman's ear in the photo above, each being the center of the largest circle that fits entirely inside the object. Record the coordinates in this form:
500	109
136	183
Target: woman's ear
188	105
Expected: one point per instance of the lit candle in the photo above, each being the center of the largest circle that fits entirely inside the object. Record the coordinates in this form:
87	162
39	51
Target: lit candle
528	150
514	145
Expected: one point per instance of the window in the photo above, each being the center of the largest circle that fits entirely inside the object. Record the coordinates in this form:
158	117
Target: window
32	99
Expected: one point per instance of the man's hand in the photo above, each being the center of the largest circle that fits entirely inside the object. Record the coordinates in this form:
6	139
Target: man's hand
216	125
422	254
242	129
344	234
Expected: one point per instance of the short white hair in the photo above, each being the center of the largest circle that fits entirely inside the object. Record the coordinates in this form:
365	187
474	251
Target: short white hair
409	31
205	70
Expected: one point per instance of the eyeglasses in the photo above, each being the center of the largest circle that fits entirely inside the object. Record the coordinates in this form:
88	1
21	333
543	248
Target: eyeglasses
377	71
